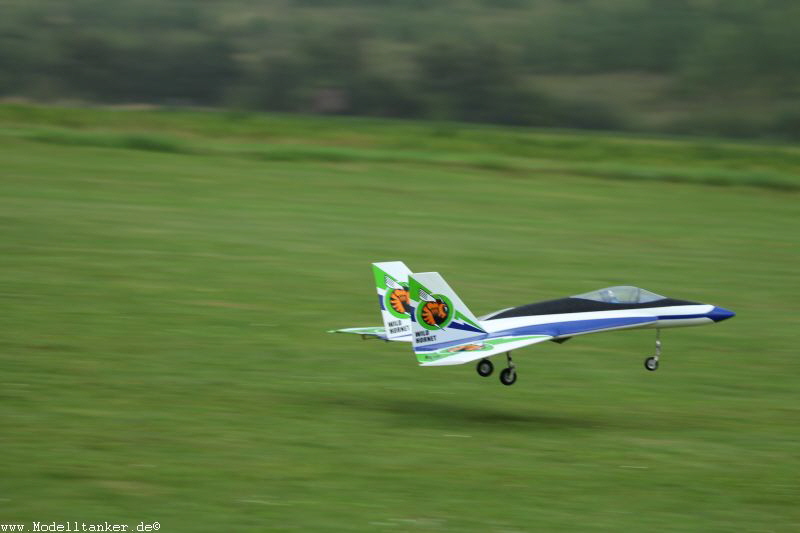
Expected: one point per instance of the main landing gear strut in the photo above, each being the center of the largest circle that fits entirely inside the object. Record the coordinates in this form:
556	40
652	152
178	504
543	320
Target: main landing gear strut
651	363
508	376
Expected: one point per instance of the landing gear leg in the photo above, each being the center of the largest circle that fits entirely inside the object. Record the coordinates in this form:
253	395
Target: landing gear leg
509	374
651	363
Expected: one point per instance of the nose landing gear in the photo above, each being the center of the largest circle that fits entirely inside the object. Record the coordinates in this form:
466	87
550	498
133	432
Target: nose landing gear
651	363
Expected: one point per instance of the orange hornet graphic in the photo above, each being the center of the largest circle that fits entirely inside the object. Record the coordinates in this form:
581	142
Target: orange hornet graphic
466	348
435	311
398	297
400	301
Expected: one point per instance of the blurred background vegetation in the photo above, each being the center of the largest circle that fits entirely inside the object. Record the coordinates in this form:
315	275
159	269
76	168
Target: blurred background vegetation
709	67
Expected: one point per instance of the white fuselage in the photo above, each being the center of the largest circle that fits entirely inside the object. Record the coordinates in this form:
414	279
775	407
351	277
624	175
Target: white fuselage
576	323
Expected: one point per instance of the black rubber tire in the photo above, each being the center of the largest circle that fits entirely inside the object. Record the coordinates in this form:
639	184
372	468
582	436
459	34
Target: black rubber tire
508	376
484	368
651	364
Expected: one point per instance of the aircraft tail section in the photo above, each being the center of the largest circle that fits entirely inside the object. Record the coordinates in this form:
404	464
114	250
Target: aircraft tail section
391	282
438	316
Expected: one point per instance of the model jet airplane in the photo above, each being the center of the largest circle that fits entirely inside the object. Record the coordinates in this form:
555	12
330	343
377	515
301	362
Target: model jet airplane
422	309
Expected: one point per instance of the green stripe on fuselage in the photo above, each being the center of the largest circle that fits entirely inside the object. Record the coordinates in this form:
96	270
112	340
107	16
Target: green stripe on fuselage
485	346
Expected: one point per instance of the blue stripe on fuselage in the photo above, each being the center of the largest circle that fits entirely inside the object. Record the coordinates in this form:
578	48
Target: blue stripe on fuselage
465	327
554	329
682	317
562	329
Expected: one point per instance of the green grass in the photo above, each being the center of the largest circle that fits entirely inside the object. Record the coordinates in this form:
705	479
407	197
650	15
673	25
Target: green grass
320	139
164	357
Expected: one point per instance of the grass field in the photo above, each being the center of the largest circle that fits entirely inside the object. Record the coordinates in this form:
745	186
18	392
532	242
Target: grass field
167	280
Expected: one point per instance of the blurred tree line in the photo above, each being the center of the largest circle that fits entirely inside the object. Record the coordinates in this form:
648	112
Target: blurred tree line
733	64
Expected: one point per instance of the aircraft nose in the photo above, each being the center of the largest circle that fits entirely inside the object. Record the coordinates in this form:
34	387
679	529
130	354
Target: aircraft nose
719	314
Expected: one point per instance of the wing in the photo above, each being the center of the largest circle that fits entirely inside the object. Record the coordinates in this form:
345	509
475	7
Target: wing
375	332
582	327
458	354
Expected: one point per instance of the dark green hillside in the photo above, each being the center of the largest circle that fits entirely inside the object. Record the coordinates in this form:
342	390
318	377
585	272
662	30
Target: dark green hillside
719	68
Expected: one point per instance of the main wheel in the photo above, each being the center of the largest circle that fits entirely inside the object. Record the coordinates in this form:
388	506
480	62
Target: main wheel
651	364
508	376
485	367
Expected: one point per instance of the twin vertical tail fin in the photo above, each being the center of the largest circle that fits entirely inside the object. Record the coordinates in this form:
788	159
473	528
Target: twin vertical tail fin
391	281
438	316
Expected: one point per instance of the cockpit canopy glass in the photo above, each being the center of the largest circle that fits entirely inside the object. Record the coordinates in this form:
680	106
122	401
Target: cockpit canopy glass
623	294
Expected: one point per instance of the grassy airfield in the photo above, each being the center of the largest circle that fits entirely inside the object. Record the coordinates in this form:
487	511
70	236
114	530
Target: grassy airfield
167	279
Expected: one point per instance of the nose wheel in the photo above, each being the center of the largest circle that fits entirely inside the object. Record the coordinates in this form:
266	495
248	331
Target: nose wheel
651	363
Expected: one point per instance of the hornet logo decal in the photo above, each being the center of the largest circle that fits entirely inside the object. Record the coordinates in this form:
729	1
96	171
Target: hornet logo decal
469	348
396	299
436	312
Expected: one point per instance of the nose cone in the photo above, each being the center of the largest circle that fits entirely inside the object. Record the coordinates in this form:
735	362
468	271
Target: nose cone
718	314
